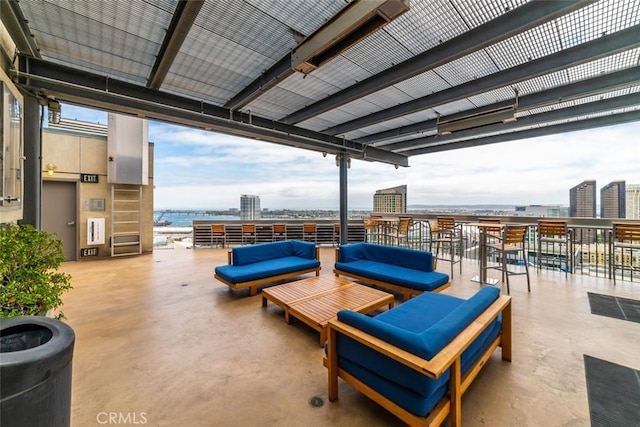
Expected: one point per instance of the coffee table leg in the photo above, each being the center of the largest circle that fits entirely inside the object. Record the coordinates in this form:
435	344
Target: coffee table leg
264	301
323	336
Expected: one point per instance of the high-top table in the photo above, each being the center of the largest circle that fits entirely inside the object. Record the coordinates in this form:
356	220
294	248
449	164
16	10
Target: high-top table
483	227
316	300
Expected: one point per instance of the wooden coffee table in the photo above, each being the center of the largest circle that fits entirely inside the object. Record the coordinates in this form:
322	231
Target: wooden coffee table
317	300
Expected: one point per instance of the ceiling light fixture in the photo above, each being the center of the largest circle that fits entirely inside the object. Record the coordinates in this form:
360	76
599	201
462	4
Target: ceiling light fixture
352	24
55	111
490	117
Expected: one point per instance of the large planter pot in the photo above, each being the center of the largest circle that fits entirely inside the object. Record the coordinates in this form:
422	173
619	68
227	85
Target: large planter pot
35	372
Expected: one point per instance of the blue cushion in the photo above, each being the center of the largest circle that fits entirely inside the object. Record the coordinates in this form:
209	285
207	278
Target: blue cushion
418	319
404	257
395	274
249	254
263	269
441	333
350	252
424	334
409	389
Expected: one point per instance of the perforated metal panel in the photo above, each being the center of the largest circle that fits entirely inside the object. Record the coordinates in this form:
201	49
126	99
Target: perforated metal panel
466	69
232	43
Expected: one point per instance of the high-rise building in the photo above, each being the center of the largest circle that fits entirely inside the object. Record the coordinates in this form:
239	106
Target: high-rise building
632	196
390	200
582	203
249	207
612	200
582	200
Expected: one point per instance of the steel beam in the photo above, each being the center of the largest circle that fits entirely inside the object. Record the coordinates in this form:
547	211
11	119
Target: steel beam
604	105
507	25
602	83
610	120
93	90
604	46
182	21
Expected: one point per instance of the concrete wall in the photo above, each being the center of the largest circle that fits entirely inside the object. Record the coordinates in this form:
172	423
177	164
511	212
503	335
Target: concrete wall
74	153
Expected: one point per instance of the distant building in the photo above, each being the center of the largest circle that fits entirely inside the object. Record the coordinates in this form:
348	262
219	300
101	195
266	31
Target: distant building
632	196
390	200
249	207
582	204
612	200
542	210
582	200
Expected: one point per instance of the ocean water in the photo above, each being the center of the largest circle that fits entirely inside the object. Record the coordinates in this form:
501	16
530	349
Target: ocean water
185	219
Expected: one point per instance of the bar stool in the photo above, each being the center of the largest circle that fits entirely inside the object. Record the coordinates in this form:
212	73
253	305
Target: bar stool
219	234
555	233
371	230
400	233
249	233
449	236
511	242
310	231
626	237
279	232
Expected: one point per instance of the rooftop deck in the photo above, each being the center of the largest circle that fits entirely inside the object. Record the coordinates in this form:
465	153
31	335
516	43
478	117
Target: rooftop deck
158	338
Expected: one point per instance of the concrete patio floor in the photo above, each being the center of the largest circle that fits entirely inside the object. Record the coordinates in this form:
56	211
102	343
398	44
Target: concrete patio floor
160	342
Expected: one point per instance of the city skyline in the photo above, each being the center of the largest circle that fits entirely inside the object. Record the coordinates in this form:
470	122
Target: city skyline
197	169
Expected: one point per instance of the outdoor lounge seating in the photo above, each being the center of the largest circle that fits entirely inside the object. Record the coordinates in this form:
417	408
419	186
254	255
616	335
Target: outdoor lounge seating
255	265
418	358
408	271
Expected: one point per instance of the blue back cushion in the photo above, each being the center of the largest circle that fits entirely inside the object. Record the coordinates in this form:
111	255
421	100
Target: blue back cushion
351	252
409	258
250	254
424	335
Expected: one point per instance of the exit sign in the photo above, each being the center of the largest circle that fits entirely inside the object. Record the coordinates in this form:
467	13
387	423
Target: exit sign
89	177
86	252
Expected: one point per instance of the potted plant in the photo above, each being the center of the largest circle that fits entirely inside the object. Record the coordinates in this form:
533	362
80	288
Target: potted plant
29	281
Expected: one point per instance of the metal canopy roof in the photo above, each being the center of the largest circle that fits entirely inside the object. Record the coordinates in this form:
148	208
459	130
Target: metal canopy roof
226	65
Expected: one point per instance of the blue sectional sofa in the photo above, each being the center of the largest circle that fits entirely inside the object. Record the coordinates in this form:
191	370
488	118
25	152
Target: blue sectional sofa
418	358
254	265
408	271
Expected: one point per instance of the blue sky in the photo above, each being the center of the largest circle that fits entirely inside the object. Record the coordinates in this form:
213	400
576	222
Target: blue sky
197	169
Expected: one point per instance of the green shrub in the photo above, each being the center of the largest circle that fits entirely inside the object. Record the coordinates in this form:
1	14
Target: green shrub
30	282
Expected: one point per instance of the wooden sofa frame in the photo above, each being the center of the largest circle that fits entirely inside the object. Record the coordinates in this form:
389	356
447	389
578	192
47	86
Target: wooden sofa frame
405	291
253	284
447	359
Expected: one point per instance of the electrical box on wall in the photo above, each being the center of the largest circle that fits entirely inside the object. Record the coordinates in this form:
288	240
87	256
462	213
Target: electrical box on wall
96	204
127	150
95	231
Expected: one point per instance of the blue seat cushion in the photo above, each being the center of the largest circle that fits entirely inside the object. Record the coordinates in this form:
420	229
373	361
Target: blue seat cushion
395	274
409	389
425	324
263	269
422	326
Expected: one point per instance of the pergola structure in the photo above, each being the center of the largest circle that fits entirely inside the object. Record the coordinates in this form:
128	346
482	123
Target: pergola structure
377	80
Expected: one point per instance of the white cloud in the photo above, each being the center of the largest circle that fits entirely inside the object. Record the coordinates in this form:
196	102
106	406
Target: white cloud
196	169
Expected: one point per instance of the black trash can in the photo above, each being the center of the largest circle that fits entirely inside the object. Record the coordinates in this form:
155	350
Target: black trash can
35	372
